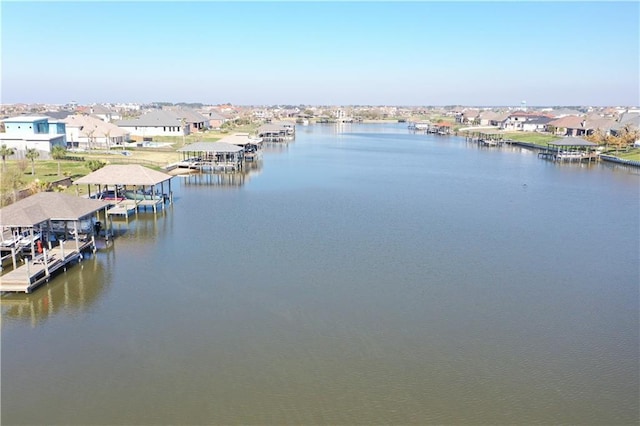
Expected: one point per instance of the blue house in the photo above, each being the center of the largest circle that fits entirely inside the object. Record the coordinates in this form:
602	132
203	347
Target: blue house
39	132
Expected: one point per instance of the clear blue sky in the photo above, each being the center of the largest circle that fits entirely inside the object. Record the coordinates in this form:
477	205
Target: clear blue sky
410	53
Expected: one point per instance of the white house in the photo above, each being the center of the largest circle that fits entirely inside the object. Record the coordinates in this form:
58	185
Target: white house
155	123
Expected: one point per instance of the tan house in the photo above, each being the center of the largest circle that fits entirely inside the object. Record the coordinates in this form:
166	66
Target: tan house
89	132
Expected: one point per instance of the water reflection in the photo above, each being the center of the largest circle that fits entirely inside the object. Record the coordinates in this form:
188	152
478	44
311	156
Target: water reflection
70	292
275	147
234	179
144	226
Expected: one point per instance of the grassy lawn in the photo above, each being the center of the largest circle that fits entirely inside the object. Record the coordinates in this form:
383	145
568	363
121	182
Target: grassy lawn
530	137
47	170
633	154
208	136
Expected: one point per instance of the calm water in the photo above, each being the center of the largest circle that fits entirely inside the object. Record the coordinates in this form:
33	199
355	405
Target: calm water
362	275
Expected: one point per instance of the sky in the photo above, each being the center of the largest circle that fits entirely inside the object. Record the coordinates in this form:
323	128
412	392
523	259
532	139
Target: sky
321	53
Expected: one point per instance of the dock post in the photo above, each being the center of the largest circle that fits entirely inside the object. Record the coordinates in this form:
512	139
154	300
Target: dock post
28	272
64	259
46	262
13	257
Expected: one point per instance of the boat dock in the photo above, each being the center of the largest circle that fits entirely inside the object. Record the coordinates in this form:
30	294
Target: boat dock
36	271
127	207
577	156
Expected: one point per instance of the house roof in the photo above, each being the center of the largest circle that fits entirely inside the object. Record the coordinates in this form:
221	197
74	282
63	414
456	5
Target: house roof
154	118
210	147
128	174
572	141
25	119
43	206
539	120
189	115
600	123
569	122
100	109
628	118
93	126
212	115
59	115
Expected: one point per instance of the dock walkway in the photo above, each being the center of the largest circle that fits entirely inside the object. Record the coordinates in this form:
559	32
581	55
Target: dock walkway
38	270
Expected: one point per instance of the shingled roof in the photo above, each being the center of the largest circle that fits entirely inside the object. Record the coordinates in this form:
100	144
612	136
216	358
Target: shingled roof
130	174
45	206
210	147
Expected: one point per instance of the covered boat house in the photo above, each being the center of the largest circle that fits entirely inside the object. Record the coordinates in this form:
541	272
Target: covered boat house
51	230
570	149
212	156
128	187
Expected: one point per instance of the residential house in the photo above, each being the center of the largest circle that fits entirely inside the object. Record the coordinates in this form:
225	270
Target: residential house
581	126
492	118
33	132
89	132
468	116
193	119
104	113
628	121
155	123
516	121
536	124
215	119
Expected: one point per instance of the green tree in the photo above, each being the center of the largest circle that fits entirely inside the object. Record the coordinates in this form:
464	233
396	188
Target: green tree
58	153
94	165
6	152
32	154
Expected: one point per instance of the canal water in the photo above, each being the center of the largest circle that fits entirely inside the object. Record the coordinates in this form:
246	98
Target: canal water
362	274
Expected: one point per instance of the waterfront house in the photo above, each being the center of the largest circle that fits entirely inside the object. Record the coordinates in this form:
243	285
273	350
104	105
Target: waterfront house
628	120
581	126
492	118
192	118
516	121
33	132
155	123
88	132
536	124
215	119
468	116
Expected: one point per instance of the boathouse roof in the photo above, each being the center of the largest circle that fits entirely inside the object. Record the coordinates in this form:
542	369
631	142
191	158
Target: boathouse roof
45	206
210	147
240	139
124	174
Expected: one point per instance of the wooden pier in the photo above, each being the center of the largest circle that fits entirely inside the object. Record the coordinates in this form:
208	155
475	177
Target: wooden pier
38	270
